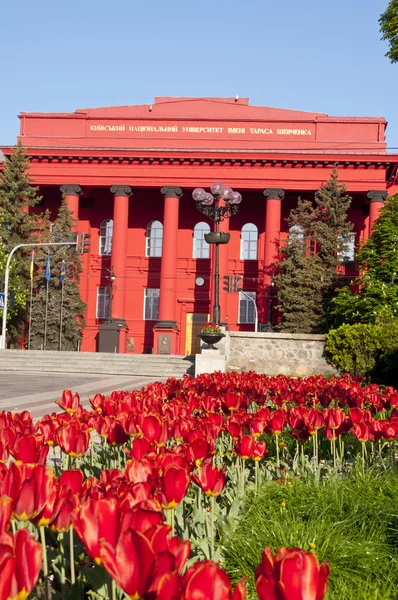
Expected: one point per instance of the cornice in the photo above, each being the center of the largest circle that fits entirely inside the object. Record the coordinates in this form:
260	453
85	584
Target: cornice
377	161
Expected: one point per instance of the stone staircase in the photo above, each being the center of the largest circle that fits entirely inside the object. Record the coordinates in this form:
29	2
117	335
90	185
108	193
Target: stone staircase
147	365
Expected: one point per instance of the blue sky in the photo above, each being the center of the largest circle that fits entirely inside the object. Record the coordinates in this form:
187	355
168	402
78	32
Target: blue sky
308	55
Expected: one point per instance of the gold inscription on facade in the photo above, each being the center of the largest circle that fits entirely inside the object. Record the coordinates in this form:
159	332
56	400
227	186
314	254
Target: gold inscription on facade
260	131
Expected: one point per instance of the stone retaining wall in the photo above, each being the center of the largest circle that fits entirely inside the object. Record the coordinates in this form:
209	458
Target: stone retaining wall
277	353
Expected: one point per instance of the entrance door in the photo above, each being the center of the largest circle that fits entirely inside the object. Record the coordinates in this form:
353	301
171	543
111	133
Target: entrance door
195	322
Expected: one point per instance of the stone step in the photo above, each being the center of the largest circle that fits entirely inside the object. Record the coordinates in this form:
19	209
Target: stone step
97	363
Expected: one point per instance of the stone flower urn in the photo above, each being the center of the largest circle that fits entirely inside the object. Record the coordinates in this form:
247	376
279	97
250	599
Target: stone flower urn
211	338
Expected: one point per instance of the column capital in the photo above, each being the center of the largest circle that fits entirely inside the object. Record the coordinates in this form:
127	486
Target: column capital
377	195
121	190
171	191
274	193
71	189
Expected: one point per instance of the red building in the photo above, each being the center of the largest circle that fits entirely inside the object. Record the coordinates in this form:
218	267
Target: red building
128	173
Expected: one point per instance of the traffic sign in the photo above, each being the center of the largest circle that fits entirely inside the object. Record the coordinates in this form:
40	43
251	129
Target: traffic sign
2	301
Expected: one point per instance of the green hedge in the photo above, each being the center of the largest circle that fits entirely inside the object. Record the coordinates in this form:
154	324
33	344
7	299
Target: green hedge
367	350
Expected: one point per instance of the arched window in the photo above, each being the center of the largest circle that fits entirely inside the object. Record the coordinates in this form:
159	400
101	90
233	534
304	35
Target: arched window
249	242
154	237
296	232
201	248
106	233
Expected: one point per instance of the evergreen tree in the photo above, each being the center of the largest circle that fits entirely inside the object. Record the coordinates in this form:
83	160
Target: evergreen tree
65	294
308	264
376	289
18	226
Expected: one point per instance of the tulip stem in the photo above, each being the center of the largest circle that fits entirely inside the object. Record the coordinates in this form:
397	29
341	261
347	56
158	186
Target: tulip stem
277	450
45	562
256	476
334	450
314	440
62	552
55	462
172	518
72	557
212	504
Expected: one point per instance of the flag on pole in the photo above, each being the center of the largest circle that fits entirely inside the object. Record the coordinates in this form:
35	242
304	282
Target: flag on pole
48	271
63	272
32	262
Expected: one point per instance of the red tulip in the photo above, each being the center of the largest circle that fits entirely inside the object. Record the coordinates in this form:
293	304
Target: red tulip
173	485
30	486
3	453
277	421
69	402
210	479
362	432
154	429
206	581
333	418
257	426
313	419
30	449
6	505
95	520
260	450
73	438
20	562
198	450
291	574
139	471
116	434
390	431
245	447
129	562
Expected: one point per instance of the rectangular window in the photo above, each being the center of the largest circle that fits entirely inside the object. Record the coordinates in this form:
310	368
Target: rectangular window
103	302
105	245
347	254
151	304
246	307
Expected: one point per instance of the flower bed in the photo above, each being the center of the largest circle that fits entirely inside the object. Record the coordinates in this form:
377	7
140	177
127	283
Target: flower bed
96	486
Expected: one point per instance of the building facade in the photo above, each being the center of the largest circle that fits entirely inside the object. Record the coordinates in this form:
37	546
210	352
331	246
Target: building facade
128	173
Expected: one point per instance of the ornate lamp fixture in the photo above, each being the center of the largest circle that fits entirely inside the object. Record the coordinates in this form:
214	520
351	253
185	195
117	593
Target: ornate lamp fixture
209	204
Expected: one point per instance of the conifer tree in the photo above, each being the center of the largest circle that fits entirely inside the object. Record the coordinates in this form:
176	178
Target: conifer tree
308	264
45	331
374	295
18	226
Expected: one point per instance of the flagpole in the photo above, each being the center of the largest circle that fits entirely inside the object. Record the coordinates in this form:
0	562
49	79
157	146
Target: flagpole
48	277
30	312
61	316
45	319
31	298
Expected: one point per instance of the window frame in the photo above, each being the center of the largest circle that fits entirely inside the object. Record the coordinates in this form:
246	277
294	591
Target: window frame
250	242
105	302
150	296
203	245
244	299
103	238
150	242
349	255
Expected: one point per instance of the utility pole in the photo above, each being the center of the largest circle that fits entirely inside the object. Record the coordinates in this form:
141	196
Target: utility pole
7	275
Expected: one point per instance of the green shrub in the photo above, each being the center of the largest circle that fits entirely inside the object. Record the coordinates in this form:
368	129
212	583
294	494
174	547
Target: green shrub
353	349
367	350
353	522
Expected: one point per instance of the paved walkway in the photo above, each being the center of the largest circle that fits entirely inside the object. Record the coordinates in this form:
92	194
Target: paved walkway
36	392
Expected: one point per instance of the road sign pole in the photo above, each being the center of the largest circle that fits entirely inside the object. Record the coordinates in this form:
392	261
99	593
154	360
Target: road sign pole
7	274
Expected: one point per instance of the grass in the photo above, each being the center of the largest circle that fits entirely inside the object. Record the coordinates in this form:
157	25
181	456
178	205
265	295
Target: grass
353	520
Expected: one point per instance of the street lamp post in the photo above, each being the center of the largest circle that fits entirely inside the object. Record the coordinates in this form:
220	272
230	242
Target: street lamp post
111	278
209	204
